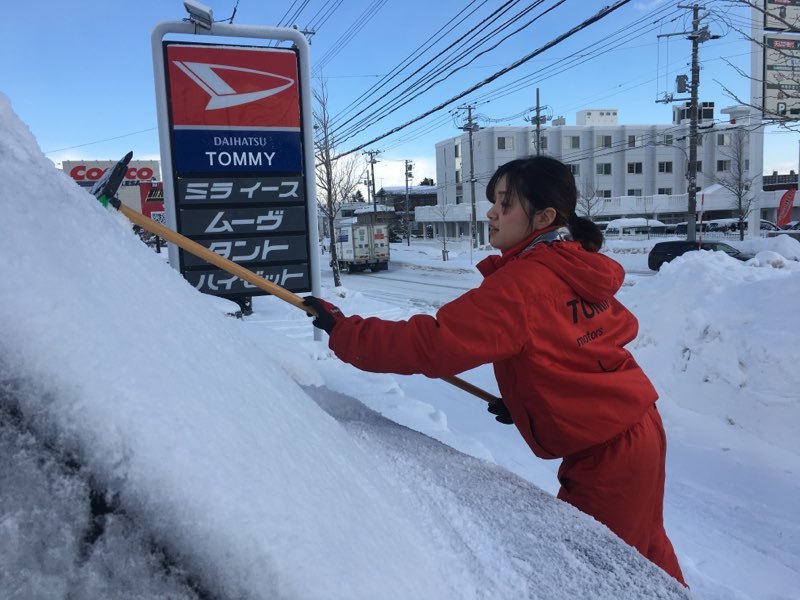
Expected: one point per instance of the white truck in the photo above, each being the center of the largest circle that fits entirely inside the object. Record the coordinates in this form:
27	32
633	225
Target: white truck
361	246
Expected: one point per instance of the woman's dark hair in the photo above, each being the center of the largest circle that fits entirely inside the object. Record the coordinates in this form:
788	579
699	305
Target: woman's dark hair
546	182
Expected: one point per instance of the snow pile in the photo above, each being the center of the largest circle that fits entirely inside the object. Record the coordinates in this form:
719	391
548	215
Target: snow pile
151	384
727	353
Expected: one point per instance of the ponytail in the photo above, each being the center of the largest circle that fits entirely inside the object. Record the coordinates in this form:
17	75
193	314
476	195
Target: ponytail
586	232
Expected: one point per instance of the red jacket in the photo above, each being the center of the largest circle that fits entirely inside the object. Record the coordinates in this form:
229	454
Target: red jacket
546	317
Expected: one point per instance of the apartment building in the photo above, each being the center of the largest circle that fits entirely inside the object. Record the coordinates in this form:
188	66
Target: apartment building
620	170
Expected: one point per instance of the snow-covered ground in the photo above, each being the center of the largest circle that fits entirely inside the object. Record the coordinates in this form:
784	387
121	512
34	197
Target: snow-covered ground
264	467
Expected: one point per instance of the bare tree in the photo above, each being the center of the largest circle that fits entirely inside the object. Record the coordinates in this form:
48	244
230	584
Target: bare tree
442	210
589	204
736	179
337	178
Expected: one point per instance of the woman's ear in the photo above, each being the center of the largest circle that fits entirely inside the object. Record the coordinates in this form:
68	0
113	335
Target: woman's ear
544	218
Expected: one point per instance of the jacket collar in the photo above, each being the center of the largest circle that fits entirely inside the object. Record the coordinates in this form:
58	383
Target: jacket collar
550	235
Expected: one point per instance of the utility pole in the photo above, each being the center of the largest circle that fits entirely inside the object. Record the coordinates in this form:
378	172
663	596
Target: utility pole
470	127
538	126
366	181
409	175
691	220
697	36
372	154
538	120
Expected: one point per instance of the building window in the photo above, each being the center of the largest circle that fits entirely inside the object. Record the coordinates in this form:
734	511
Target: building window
575	169
603	141
631	141
634	191
457	150
635	168
573	142
723	139
603	168
665	166
459	198
668	139
699	166
604	193
665	191
505	143
543	142
699	140
458	176
723	165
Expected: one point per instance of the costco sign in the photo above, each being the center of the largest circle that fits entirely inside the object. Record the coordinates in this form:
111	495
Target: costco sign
87	173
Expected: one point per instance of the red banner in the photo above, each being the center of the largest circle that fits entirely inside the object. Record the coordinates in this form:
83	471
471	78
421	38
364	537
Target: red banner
785	207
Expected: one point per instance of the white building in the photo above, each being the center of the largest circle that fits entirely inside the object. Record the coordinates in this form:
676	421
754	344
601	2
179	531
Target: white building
620	170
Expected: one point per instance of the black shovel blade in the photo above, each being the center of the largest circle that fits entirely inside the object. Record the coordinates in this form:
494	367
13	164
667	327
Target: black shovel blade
108	185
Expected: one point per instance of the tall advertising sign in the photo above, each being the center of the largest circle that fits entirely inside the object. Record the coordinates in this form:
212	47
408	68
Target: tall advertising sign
237	163
782	15
781	77
237	155
781	68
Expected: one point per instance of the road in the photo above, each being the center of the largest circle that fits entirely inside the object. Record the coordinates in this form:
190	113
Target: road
426	289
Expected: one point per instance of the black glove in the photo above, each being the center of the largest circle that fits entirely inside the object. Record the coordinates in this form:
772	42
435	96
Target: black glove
499	409
327	314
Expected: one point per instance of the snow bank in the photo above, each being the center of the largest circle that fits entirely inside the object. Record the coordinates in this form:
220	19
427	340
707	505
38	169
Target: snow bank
209	442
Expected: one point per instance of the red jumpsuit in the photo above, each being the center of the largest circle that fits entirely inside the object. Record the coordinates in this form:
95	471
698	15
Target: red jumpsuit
547	319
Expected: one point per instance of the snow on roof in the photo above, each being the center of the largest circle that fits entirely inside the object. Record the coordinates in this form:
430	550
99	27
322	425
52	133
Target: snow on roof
414	190
371	208
633	222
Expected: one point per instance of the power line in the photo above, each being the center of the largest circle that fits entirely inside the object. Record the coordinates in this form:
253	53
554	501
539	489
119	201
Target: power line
117	137
348	35
331	6
600	15
397	70
459	54
592	51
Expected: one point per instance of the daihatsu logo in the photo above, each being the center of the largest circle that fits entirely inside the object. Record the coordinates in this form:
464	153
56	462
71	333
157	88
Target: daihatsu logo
222	94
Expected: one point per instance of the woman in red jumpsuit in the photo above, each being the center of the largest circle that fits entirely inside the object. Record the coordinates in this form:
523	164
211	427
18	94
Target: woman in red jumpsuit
545	316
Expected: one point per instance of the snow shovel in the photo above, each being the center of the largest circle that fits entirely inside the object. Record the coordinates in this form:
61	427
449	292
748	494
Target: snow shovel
235	269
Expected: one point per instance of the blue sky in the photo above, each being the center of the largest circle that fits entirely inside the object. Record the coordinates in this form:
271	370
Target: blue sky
80	74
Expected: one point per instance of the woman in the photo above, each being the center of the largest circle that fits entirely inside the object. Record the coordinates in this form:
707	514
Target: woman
546	317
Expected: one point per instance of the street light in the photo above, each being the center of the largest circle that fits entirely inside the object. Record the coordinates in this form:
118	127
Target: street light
199	14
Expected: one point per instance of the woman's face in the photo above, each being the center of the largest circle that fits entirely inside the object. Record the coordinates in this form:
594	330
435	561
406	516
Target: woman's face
509	224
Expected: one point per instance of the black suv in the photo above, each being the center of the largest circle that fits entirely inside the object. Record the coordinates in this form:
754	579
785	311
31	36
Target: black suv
665	251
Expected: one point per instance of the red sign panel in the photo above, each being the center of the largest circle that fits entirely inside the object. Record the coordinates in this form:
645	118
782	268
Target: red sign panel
152	195
233	86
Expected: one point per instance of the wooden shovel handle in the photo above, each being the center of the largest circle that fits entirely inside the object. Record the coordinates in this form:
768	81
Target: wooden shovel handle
235	269
212	257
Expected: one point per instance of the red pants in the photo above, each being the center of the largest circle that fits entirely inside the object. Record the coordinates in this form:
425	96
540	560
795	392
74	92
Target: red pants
621	484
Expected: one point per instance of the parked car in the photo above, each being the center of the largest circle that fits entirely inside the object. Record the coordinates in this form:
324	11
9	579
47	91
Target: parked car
680	228
664	252
791	226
